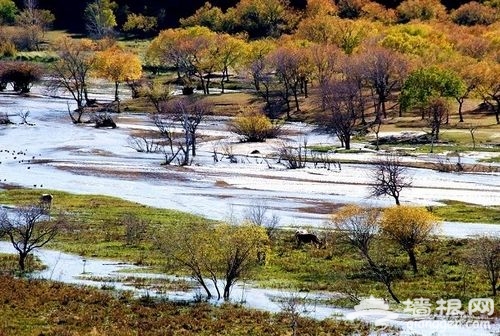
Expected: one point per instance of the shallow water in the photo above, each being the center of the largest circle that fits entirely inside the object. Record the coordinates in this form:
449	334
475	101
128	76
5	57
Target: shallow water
82	159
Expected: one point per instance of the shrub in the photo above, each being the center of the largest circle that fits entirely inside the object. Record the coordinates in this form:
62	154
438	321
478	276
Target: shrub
474	13
350	9
21	75
254	126
7	49
8	11
420	10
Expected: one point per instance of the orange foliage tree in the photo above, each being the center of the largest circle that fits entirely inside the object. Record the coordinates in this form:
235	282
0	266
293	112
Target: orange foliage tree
117	65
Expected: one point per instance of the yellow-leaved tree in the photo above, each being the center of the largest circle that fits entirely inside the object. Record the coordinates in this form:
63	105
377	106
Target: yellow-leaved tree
117	65
409	227
240	249
216	255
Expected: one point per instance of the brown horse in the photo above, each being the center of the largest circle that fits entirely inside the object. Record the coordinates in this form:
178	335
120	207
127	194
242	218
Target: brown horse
304	237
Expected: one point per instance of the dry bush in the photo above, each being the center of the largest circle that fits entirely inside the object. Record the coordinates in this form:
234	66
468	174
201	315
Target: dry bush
474	13
420	10
254	126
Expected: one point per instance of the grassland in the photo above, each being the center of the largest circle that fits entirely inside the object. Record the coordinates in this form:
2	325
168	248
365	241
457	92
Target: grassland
47	308
95	228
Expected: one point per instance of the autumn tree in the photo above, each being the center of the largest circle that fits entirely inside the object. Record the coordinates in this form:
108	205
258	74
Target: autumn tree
261	18
474	13
239	249
353	69
385	72
190	51
34	22
72	70
191	247
28	229
489	85
389	177
344	106
359	227
417	39
286	62
207	16
118	66
260	73
229	54
409	227
140	25
486	256
320	29
21	75
318	8
423	10
220	254
326	60
466	69
100	18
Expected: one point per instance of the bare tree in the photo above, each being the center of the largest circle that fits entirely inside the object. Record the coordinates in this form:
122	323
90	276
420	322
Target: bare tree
34	23
28	229
344	106
438	111
173	146
384	70
292	305
389	177
472	131
294	157
486	255
135	229
188	113
71	71
258	214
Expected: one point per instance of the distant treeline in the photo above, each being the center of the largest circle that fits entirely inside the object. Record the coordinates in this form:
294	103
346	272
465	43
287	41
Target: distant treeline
69	14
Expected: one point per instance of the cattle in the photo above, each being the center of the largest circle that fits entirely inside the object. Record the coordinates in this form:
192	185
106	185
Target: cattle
46	201
304	237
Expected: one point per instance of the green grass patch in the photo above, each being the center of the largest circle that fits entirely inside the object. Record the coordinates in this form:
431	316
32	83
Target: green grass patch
456	211
36	56
495	159
94	224
9	263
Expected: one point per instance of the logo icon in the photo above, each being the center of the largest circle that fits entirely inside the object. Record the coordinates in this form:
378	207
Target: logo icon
373	310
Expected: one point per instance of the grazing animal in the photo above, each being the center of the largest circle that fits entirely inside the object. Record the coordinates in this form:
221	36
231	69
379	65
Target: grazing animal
304	237
46	200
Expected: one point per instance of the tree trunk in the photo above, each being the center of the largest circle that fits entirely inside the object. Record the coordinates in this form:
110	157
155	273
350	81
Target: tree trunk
460	114
116	92
347	142
413	260
227	290
193	144
22	261
389	289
